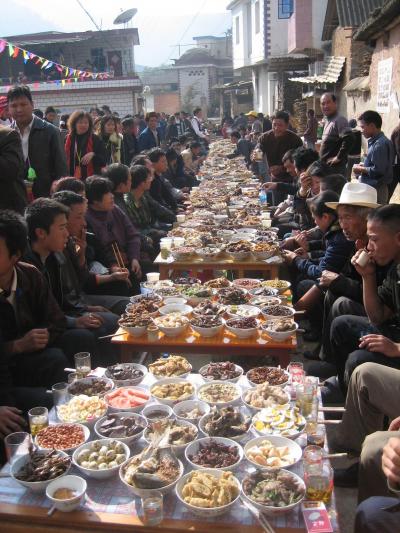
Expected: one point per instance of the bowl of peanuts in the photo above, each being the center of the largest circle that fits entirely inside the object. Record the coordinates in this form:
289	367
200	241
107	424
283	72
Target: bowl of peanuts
64	437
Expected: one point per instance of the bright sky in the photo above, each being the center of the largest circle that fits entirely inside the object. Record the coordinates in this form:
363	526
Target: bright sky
161	23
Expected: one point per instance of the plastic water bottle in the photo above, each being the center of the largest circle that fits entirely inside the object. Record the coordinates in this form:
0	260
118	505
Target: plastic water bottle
262	197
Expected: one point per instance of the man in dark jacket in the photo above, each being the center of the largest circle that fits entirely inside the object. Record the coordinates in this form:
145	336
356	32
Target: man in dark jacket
31	323
129	140
150	136
42	148
12	171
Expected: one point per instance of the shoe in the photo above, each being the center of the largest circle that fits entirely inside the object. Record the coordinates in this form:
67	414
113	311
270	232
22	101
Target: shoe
346	477
331	392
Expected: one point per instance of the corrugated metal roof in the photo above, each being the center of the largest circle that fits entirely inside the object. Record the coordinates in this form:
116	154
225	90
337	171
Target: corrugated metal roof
354	12
332	68
358	84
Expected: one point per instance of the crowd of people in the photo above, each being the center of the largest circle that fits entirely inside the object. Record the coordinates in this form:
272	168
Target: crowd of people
100	183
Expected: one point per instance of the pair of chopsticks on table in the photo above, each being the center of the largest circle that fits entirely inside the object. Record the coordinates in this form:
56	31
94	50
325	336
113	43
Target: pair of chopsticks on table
261	519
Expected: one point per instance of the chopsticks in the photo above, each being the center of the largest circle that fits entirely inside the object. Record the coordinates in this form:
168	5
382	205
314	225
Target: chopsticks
258	516
117	254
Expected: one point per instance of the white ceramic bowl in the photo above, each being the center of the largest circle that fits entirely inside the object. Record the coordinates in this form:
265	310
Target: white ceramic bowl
34	486
190	405
167	381
290	432
99	474
242	311
134	331
128	382
271	510
262	255
238	438
208	332
178	449
281	290
193	448
234	401
273	317
157	407
69	451
240	332
239	256
90	422
137	409
88	381
262	301
242	237
170	331
139	297
142	493
176	308
254	409
233	380
126	440
253	384
295	450
202	511
75	483
250	231
279	336
175	300
246	283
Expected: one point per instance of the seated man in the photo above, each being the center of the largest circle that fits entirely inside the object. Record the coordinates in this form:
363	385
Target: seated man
356	340
192	158
31	326
161	190
48	236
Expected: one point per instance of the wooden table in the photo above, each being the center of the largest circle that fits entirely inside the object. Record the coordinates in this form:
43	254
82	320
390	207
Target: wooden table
23	518
190	342
195	264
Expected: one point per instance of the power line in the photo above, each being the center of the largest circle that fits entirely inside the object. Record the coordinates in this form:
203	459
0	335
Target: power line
89	15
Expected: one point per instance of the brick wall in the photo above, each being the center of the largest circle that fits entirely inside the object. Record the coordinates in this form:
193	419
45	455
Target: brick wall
168	102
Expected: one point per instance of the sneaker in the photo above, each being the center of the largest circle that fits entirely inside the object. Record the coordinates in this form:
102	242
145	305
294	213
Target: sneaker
346	477
331	392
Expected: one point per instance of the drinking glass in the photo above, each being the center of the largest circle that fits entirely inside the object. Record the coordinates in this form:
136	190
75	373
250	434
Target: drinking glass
82	364
152	505
60	394
304	399
315	434
16	445
319	485
38	419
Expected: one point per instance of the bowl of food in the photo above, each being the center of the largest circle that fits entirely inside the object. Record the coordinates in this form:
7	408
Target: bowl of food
267	374
218	283
280	330
191	410
232	296
284	421
226	234
242	327
273	492
153	469
272	452
183	253
37	469
167	292
172	366
179	434
62	437
129	399
246	283
209	253
207	325
175	308
126	374
219	393
196	294
83	409
214	452
149	299
157	411
262	301
264	396
263	291
170	391
229	422
277	312
135	325
280	284
172	325
144	307
101	459
126	427
174	300
208	492
208	308
239	250
242	311
91	386
66	493
221	371
184	281
264	250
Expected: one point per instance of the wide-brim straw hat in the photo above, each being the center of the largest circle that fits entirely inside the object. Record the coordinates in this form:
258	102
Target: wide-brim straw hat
358	194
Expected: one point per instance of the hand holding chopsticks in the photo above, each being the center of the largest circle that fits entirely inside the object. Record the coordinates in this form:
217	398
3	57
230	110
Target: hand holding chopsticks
119	259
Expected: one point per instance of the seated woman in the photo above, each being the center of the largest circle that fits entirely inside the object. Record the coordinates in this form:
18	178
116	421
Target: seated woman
68	184
85	152
112	226
177	179
306	273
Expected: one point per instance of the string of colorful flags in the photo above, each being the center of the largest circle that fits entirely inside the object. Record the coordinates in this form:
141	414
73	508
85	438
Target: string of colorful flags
71	74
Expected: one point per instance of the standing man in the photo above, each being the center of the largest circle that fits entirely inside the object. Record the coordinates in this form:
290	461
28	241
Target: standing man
377	168
12	171
50	115
337	138
196	125
310	135
129	140
42	148
150	136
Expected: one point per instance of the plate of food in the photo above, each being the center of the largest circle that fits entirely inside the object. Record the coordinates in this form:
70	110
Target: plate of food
285	421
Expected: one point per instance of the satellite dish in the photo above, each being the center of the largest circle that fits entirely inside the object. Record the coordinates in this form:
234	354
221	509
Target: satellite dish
125	16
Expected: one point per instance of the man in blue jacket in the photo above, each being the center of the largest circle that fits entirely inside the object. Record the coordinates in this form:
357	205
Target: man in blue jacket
150	136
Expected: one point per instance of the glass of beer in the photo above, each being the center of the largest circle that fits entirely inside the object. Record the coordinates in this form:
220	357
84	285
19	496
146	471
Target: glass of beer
38	419
83	364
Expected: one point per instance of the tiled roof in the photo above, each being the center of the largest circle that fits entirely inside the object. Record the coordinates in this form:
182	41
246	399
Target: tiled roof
347	13
332	68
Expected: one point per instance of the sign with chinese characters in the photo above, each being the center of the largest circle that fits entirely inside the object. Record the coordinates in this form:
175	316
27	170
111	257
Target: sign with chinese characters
384	85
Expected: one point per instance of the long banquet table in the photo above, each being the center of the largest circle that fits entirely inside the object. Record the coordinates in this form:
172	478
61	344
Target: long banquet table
109	506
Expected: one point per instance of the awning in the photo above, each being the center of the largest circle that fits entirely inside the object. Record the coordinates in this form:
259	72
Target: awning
358	84
332	69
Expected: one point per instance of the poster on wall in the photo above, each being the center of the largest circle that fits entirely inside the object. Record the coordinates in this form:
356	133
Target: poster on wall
384	85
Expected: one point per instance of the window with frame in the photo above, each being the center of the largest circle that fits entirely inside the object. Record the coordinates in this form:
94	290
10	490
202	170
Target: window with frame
257	17
237	30
285	9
